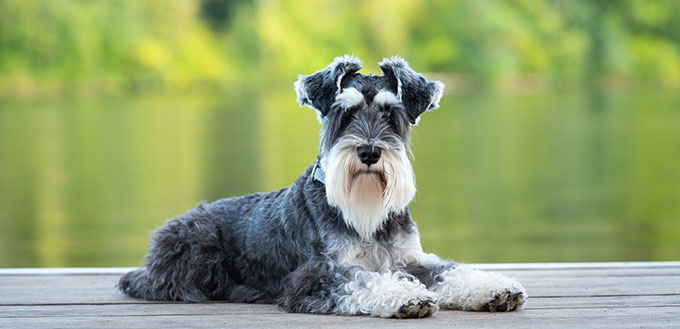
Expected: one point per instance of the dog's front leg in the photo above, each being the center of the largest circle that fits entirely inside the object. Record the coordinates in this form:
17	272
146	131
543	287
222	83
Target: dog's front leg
325	287
386	294
473	290
456	286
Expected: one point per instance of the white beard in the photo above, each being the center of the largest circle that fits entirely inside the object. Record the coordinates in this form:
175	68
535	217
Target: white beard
367	198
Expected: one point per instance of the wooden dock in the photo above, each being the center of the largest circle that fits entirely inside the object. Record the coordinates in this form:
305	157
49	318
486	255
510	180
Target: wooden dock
562	295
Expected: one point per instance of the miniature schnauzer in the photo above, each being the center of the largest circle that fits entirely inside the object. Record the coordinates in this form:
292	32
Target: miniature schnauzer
340	239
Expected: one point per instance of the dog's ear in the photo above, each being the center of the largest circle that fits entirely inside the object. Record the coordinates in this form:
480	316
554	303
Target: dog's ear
319	90
413	90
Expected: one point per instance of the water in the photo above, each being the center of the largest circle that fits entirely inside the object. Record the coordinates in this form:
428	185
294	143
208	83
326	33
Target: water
500	178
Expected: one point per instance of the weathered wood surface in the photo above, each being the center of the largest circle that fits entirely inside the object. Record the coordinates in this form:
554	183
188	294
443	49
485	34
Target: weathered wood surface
562	295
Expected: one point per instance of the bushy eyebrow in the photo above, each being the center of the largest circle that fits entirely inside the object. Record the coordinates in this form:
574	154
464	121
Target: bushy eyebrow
384	98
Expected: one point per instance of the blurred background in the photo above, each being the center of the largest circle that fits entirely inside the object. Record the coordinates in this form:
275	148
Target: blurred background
558	138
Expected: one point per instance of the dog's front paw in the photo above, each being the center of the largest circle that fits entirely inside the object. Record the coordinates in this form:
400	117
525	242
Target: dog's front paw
505	301
496	293
463	288
418	308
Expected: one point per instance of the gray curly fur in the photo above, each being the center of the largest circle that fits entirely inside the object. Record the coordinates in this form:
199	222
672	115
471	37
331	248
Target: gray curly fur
276	247
259	248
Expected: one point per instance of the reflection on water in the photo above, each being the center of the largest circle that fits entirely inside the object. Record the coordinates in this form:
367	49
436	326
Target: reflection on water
502	178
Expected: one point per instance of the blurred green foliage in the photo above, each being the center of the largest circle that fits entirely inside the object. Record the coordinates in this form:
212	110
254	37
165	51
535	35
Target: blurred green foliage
139	46
582	174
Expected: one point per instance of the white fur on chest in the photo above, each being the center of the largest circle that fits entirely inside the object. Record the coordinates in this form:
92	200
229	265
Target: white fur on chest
379	256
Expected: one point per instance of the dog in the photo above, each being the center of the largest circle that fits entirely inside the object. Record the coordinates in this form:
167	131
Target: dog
340	239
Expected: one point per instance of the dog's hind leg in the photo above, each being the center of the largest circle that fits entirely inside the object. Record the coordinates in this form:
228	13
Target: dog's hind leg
324	287
186	261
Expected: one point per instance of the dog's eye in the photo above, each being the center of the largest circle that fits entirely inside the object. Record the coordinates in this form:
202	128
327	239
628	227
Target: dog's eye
387	113
395	117
347	117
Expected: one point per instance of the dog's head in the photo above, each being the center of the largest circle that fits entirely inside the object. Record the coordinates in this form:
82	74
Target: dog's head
364	148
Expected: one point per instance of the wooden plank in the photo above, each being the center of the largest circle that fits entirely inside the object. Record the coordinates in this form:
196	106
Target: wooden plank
65	271
605	271
60	289
602	273
572	303
653	317
554	266
167	309
492	267
524	273
599	295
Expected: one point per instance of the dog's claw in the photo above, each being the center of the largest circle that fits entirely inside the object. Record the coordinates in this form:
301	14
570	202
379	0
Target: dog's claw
418	308
505	302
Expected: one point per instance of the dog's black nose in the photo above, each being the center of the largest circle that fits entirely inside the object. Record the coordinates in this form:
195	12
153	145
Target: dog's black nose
368	154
